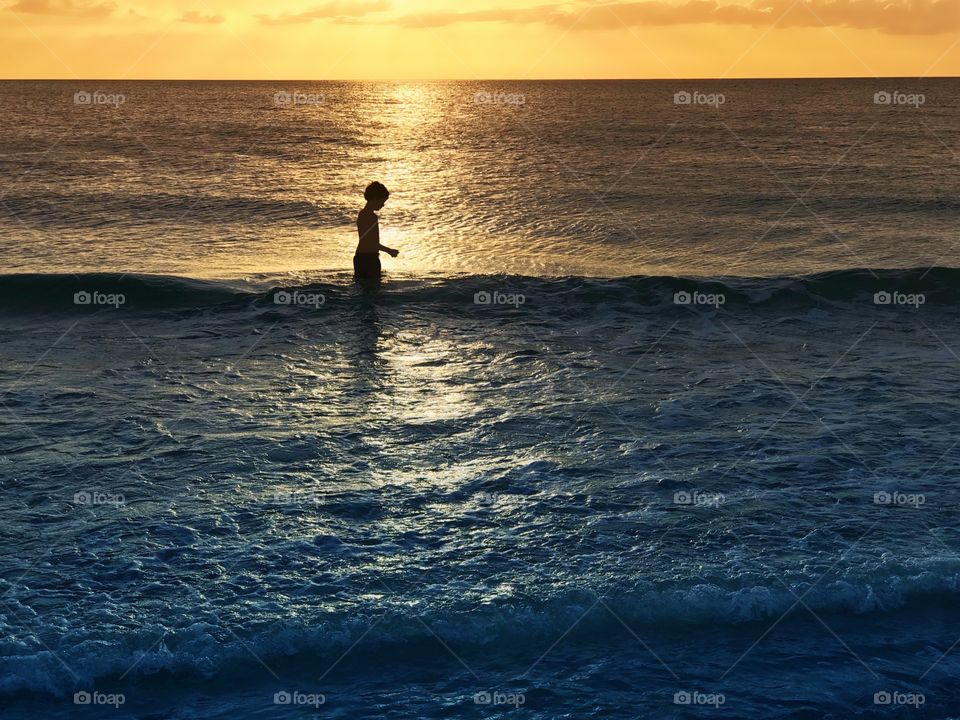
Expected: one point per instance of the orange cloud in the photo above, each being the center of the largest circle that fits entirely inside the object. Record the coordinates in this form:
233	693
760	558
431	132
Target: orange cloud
200	19
894	17
336	10
63	8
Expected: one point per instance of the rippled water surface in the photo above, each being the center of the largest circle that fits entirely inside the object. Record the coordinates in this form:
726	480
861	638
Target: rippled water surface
636	426
552	178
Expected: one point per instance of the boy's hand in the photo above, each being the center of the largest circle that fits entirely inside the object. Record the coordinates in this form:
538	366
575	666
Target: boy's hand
393	253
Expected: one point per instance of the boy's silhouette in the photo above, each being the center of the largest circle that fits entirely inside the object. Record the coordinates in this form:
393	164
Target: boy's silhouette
366	262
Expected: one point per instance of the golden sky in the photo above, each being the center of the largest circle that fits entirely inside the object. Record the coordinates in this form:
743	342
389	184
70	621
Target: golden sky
477	39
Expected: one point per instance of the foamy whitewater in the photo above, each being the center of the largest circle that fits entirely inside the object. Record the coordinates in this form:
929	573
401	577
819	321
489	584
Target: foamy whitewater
658	420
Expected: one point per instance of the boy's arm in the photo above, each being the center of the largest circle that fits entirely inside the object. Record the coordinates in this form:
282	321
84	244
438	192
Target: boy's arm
382	248
370	232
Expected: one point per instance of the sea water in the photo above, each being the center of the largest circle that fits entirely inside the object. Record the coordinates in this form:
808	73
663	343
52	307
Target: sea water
654	416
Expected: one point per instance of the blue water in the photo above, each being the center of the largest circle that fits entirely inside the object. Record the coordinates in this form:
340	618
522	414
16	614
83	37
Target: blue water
636	425
583	503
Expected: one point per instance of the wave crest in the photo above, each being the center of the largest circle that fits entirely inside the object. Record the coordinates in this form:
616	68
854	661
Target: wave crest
57	292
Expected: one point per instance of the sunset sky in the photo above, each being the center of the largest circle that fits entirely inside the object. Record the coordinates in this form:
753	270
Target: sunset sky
479	39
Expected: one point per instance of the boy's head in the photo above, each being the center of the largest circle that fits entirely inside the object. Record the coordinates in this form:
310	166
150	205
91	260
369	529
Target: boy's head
376	195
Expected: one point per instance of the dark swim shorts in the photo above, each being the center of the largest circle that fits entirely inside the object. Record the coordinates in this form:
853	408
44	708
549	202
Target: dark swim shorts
366	265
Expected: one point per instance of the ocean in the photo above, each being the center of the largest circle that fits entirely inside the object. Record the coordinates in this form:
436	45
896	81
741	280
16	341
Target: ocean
655	415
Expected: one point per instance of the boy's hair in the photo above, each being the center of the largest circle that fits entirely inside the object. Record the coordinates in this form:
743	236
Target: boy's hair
376	191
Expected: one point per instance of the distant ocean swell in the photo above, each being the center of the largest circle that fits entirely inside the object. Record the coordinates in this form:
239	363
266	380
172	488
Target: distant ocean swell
100	210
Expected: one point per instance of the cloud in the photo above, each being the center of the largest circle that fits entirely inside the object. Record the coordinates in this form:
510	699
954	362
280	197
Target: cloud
894	17
543	13
64	8
200	19
342	11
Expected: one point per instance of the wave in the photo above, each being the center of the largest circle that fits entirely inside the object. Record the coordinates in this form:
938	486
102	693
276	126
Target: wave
99	210
53	292
204	650
73	292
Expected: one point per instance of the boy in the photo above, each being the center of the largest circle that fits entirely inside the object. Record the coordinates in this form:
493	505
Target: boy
366	262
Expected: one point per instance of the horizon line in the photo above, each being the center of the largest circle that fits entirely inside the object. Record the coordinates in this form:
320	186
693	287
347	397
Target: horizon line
492	79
